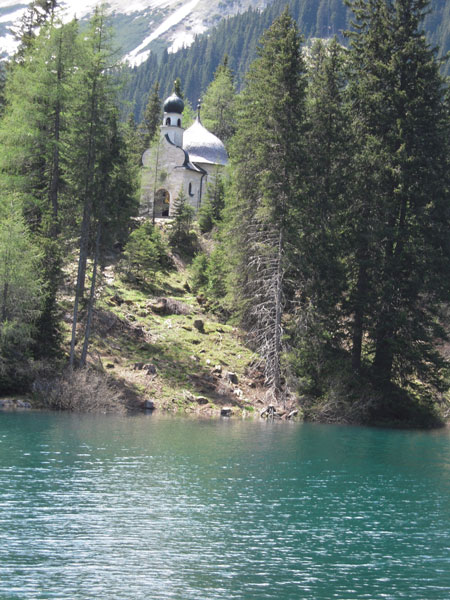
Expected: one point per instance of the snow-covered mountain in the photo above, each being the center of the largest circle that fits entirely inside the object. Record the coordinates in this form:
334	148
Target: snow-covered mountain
140	24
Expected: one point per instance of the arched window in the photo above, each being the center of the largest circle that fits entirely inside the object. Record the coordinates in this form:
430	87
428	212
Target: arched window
162	203
168	121
179	122
190	190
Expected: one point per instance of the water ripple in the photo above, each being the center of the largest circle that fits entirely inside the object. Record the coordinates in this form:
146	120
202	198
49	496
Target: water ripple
159	508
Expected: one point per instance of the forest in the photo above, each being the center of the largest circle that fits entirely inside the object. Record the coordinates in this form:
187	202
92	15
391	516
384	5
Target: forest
327	235
238	37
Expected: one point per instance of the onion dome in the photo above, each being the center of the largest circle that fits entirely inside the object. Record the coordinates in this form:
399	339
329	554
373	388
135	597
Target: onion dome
174	104
202	146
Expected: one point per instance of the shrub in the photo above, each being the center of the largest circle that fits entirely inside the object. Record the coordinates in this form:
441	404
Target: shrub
82	390
145	252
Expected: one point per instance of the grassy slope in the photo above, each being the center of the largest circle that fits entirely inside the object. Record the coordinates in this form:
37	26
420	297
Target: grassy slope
128	332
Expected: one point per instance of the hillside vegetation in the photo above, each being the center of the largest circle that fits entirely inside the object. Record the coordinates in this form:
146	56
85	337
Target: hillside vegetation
313	280
238	37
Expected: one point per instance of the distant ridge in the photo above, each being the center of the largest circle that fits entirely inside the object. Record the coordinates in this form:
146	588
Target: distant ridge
238	37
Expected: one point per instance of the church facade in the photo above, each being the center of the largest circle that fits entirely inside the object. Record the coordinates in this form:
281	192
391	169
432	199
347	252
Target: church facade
183	160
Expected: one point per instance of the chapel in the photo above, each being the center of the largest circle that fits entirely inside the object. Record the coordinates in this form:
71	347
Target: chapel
187	160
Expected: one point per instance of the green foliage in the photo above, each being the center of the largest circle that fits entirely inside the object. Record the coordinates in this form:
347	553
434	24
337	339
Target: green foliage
20	287
218	106
189	114
145	252
267	157
401	258
237	37
210	212
198	275
180	232
152	118
21	296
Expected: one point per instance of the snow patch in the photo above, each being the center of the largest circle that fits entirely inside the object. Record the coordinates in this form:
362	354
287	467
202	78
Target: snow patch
134	57
11	17
8	44
183	39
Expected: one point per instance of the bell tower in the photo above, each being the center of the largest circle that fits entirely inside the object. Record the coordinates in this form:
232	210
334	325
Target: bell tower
171	126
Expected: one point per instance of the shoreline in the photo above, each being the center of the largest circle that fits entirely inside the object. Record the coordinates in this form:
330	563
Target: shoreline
24	403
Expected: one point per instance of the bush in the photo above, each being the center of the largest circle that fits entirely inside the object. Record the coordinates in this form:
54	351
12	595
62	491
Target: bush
199	277
145	252
82	390
183	216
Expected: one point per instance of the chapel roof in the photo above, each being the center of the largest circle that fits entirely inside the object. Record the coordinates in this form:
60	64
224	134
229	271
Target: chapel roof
203	146
174	104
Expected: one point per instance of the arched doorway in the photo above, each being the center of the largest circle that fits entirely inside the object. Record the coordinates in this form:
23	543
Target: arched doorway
162	203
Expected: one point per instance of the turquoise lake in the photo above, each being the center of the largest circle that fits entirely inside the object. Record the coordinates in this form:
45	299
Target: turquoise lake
150	507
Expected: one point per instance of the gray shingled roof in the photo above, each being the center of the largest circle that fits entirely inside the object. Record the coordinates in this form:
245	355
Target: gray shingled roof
203	146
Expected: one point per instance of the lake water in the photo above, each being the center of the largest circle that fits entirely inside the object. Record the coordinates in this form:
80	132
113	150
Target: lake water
112	508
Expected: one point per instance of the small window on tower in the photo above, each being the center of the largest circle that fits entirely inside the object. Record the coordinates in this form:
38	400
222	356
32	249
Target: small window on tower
179	122
168	121
190	190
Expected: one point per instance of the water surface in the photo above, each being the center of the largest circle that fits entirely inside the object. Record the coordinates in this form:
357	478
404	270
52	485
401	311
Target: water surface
116	508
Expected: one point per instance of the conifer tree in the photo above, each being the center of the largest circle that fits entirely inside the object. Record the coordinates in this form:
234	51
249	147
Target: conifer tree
210	212
33	133
218	106
183	214
91	118
323	224
266	157
401	258
151	119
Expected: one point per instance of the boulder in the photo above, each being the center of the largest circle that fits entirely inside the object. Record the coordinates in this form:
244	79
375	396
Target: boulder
148	405
116	299
232	377
226	411
23	404
151	369
202	400
199	325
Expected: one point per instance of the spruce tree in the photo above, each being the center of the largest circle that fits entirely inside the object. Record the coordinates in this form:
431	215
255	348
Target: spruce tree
151	119
33	133
401	259
320	330
267	156
218	106
91	117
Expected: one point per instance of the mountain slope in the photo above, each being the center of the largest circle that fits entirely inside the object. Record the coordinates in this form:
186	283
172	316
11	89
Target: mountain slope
238	37
140	23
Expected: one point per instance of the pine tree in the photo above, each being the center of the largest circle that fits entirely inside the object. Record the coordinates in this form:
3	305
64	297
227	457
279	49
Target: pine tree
151	119
266	157
218	106
21	295
320	330
402	256
210	212
183	214
91	118
33	133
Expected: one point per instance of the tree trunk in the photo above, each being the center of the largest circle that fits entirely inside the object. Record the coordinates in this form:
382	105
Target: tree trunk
278	314
87	333
82	259
358	318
